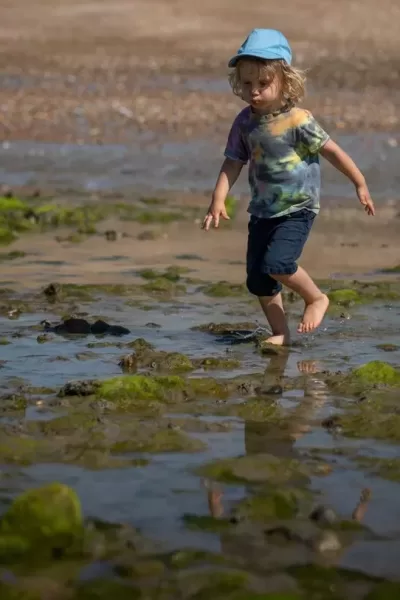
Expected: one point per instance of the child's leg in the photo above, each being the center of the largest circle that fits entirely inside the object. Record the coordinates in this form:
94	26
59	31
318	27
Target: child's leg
273	309
316	302
267	289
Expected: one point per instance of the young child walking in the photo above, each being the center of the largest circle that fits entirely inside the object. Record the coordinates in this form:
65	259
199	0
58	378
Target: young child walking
281	143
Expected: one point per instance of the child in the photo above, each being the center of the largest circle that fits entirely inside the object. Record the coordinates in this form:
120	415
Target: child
281	143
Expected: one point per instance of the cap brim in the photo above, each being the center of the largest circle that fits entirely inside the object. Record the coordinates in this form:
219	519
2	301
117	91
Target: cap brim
265	56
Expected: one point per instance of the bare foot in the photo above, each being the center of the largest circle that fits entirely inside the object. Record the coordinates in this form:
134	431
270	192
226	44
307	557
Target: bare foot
278	340
313	314
308	366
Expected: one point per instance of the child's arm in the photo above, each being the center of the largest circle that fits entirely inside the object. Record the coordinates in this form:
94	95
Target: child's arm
228	174
343	163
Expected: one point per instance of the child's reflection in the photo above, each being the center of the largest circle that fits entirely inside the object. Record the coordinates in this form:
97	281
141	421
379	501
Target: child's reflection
272	438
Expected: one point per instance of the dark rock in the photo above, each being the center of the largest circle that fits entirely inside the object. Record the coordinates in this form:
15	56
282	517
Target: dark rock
324	515
52	290
74	326
117	330
332	423
79	388
100	327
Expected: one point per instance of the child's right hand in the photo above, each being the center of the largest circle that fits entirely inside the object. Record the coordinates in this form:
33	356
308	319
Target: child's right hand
214	213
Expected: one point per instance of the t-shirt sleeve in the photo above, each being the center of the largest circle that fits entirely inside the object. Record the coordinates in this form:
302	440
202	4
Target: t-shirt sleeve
311	134
236	148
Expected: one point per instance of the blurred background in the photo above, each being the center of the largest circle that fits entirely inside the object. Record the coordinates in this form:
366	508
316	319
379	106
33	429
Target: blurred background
106	97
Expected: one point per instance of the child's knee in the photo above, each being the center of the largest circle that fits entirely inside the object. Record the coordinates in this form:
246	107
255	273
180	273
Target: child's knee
260	284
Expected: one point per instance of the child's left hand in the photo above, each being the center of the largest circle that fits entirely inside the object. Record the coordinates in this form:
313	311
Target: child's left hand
365	199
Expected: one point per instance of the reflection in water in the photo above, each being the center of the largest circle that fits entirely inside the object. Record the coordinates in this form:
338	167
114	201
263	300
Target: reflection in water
302	542
270	438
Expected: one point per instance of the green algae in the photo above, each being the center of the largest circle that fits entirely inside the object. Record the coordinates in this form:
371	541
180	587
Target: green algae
231	205
162	440
224	289
150	217
4	342
14	254
172	362
140	345
162	286
272	504
44	518
104	589
378	372
388	347
182	559
126	390
395	269
173	273
206	523
217	362
256	409
15	592
344	297
68	424
388	590
327	583
213	584
257	468
387	468
369	422
368	376
20	450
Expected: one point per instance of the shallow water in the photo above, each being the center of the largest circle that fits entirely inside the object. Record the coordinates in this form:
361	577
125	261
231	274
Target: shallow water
155	497
149	165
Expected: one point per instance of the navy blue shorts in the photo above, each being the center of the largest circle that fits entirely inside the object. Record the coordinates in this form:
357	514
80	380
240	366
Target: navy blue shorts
273	247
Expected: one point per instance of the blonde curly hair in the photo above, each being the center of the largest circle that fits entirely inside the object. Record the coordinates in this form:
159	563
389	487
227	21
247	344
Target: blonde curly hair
292	79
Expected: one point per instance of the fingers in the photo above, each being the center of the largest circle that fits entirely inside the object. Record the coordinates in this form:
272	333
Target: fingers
207	222
210	217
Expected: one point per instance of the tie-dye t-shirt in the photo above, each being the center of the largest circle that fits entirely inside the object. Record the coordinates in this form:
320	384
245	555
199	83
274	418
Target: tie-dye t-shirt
282	151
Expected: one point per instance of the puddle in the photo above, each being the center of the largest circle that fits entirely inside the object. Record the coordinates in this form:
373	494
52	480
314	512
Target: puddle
155	497
175	166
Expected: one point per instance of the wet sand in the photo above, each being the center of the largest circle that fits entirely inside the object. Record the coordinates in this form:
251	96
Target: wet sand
344	242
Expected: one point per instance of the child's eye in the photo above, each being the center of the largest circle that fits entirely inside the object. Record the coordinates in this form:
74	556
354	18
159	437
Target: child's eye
263	83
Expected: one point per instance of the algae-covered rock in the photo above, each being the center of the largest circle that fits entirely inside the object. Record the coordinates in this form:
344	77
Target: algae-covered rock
209	583
128	389
344	297
257	468
223	289
273	504
11	591
106	589
328	583
378	372
161	440
363	378
19	449
387	468
172	362
45	518
217	362
388	590
370	422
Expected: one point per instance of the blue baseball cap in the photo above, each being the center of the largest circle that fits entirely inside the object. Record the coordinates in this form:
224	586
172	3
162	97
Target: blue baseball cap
264	43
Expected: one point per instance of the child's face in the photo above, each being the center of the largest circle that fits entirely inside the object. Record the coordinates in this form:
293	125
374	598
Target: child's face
260	90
